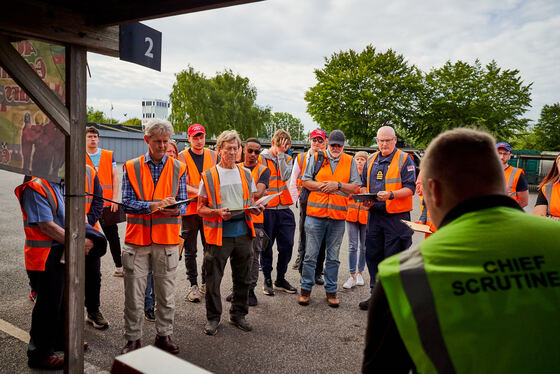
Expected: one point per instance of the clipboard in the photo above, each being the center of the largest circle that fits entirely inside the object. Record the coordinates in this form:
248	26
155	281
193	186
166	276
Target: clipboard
418	227
175	205
361	197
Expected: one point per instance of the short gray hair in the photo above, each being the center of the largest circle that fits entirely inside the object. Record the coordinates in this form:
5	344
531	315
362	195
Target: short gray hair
158	126
362	154
227	136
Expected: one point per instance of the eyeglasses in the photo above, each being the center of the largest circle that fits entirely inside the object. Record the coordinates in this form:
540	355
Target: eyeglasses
385	140
318	140
255	151
503	153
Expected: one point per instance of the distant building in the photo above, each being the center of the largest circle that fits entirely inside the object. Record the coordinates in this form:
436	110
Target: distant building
153	108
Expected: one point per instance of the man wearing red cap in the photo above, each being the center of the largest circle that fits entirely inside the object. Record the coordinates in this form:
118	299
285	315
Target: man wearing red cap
318	142
516	183
198	160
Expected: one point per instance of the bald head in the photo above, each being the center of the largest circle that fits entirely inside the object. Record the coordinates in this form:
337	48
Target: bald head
460	164
386	131
386	140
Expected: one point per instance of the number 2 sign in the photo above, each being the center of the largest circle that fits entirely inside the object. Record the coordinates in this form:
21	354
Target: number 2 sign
141	45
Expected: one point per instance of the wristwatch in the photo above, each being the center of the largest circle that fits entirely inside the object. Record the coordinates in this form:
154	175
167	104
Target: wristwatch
339	186
392	196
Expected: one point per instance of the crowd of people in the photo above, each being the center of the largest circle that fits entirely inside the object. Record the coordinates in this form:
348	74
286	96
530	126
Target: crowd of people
242	206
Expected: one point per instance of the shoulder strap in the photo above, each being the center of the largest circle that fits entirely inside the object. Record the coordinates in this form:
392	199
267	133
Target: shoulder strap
318	163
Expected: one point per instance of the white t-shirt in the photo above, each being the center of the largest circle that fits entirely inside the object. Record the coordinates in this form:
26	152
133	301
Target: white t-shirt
231	189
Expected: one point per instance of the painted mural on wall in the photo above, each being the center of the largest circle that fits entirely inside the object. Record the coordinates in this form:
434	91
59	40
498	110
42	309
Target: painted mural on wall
30	143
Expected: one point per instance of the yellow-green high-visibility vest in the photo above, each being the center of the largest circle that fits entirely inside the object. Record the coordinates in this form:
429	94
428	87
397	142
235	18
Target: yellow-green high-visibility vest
481	295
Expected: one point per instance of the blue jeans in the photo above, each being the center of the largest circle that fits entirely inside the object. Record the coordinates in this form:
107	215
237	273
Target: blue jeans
149	299
315	230
356	231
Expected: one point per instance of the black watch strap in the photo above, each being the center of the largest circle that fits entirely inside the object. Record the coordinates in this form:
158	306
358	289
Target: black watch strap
339	186
392	196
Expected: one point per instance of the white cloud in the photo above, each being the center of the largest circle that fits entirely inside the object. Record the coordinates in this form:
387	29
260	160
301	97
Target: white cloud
278	43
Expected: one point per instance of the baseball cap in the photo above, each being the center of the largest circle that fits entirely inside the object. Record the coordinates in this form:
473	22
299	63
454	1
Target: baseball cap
503	145
337	137
318	134
196	129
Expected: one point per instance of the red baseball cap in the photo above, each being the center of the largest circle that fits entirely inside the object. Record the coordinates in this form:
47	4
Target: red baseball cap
195	129
318	134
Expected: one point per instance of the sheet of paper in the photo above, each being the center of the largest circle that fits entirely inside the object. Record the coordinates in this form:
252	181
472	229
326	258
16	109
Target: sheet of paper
417	226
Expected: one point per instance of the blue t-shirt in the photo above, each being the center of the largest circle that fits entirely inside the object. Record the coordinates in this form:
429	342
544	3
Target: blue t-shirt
38	208
95	157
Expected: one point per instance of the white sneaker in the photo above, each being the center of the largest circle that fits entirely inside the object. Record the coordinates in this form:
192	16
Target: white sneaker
194	294
351	282
359	280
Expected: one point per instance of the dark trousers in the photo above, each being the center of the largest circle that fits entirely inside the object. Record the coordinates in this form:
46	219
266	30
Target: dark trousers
112	234
191	225
386	236
239	252
47	318
93	283
280	226
302	240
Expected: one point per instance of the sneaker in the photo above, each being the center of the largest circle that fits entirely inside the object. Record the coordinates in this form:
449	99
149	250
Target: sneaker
194	294
267	287
149	315
252	298
118	273
33	296
97	320
211	327
364	305
229	297
359	280
203	288
241	324
283	285
351	282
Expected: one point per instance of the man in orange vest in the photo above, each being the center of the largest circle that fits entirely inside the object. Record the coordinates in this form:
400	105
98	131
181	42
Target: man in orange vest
225	199
391	174
151	183
103	162
198	159
516	183
279	221
42	206
327	206
318	142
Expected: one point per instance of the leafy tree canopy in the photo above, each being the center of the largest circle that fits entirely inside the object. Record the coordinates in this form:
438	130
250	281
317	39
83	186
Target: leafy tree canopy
285	121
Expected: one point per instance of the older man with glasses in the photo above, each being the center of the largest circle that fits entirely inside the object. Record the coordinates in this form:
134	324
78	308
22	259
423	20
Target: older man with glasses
391	174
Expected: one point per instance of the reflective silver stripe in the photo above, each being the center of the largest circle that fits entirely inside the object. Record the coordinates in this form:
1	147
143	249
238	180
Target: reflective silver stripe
212	190
107	186
165	220
138	170
548	195
275	178
509	186
89	181
419	294
393	180
212	224
214	157
89	199
175	183
277	189
50	197
38	243
326	206
139	221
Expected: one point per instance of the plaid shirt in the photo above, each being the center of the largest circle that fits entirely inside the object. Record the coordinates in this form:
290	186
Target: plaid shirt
135	206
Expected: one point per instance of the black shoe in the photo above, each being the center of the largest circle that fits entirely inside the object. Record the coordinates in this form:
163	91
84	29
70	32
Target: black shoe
267	287
282	284
149	315
252	298
229	297
319	280
241	324
364	305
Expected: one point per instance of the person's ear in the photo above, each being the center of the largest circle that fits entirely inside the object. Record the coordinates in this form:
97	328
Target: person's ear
434	187
147	139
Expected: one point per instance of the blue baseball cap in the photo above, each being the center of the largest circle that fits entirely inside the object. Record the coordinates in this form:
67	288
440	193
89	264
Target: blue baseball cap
503	145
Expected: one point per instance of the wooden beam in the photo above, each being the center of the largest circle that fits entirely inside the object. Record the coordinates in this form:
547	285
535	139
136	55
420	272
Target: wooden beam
20	71
45	21
75	209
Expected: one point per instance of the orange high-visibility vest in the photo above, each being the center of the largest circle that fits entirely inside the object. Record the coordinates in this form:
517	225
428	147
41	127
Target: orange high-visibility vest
90	179
104	173
301	159
552	193
256	174
276	184
512	177
357	212
145	229
425	217
37	244
331	205
193	176
213	227
393	182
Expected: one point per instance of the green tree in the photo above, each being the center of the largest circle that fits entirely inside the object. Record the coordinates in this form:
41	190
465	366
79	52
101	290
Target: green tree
547	130
360	92
463	95
285	121
226	101
94	115
133	122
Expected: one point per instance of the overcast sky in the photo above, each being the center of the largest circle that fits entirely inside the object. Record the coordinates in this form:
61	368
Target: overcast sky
277	44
